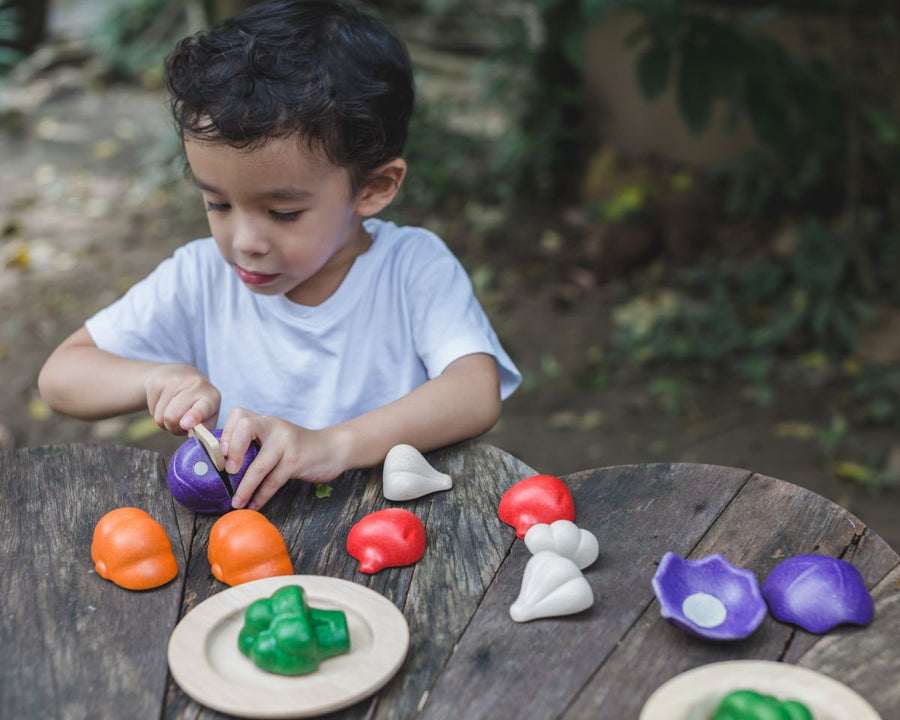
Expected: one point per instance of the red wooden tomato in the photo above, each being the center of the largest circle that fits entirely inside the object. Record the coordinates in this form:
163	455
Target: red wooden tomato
386	538
536	499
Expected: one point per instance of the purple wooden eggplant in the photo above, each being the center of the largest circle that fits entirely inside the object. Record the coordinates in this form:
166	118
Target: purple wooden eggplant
195	482
817	593
709	598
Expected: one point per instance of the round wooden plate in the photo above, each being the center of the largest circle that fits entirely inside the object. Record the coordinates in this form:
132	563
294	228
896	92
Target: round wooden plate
206	663
695	694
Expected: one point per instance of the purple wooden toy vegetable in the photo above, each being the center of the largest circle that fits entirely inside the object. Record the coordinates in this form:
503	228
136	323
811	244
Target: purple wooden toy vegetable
709	598
817	592
195	482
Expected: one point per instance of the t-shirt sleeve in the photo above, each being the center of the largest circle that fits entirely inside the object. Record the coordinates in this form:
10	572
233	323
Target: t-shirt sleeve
157	319
448	320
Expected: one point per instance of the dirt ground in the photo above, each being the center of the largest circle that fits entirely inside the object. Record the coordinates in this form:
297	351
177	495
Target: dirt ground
82	217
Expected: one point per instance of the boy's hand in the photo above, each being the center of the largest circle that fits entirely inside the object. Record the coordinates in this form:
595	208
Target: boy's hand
179	397
286	451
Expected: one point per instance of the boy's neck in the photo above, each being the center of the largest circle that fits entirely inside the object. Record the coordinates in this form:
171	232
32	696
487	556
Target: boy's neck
326	281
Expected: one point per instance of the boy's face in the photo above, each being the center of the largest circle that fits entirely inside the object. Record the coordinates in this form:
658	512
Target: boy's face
283	217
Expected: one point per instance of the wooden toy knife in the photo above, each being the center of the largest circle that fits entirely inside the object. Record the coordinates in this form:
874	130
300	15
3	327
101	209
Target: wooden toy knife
210	444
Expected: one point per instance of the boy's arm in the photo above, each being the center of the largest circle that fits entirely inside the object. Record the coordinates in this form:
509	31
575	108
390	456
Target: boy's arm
462	402
82	380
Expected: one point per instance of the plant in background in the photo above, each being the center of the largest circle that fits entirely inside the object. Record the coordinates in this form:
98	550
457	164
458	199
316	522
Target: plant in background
10	28
751	312
446	176
877	395
135	36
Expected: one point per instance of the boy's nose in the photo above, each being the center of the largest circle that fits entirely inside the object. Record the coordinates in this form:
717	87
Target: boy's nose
249	239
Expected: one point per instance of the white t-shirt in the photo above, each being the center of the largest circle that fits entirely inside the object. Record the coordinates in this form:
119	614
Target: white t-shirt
403	313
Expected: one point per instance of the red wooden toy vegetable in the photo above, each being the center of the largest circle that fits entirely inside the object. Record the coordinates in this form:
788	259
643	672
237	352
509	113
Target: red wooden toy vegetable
245	546
536	499
132	550
386	538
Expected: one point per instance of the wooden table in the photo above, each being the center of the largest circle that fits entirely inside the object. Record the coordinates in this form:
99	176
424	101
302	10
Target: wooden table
77	646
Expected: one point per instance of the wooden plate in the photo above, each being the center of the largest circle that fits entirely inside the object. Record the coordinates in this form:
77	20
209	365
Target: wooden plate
695	694
206	663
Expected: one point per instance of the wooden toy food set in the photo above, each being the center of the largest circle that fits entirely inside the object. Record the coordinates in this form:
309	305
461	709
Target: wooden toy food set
328	634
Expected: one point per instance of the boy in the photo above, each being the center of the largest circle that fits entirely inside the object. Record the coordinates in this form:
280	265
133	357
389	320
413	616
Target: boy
324	335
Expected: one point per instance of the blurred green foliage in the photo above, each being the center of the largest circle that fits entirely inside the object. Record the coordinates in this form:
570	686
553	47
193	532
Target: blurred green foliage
725	309
10	29
135	36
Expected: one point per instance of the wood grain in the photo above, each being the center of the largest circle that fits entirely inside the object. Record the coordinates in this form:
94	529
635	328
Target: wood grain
465	545
637	513
78	646
75	645
766	522
867	661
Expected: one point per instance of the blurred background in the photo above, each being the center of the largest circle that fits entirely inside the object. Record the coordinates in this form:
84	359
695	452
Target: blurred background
682	218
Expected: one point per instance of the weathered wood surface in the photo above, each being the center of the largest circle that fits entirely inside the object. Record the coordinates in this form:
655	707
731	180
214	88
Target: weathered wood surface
637	516
74	645
606	662
466	543
78	646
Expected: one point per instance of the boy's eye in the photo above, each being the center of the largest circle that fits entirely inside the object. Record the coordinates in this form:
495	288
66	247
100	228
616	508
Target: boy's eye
217	207
285	216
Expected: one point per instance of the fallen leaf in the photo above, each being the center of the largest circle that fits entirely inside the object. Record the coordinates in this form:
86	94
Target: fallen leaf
852	471
105	149
108	429
795	430
141	429
590	420
323	491
46	128
892	465
44	174
852	367
815	360
563	420
18	256
551	241
38	410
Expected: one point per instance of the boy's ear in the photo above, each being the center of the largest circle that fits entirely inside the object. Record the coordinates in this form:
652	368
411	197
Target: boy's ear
381	188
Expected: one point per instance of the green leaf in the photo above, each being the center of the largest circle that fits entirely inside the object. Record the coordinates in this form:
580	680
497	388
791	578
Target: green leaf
323	491
653	70
695	88
590	9
141	429
9	57
573	46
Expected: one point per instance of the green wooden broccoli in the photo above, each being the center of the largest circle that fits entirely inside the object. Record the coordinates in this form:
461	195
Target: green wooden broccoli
749	705
283	635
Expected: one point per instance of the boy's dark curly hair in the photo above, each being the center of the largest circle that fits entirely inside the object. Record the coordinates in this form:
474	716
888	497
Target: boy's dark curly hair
320	70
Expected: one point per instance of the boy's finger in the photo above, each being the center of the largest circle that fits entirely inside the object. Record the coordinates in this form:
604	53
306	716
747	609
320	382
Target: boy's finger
228	429
173	412
256	473
201	411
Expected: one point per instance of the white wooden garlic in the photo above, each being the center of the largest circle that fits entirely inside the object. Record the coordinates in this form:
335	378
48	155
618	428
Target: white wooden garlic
564	538
407	475
552	585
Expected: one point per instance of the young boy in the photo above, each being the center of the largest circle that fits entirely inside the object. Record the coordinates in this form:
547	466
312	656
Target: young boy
324	335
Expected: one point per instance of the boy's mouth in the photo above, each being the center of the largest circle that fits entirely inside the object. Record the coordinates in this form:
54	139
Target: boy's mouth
255	278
